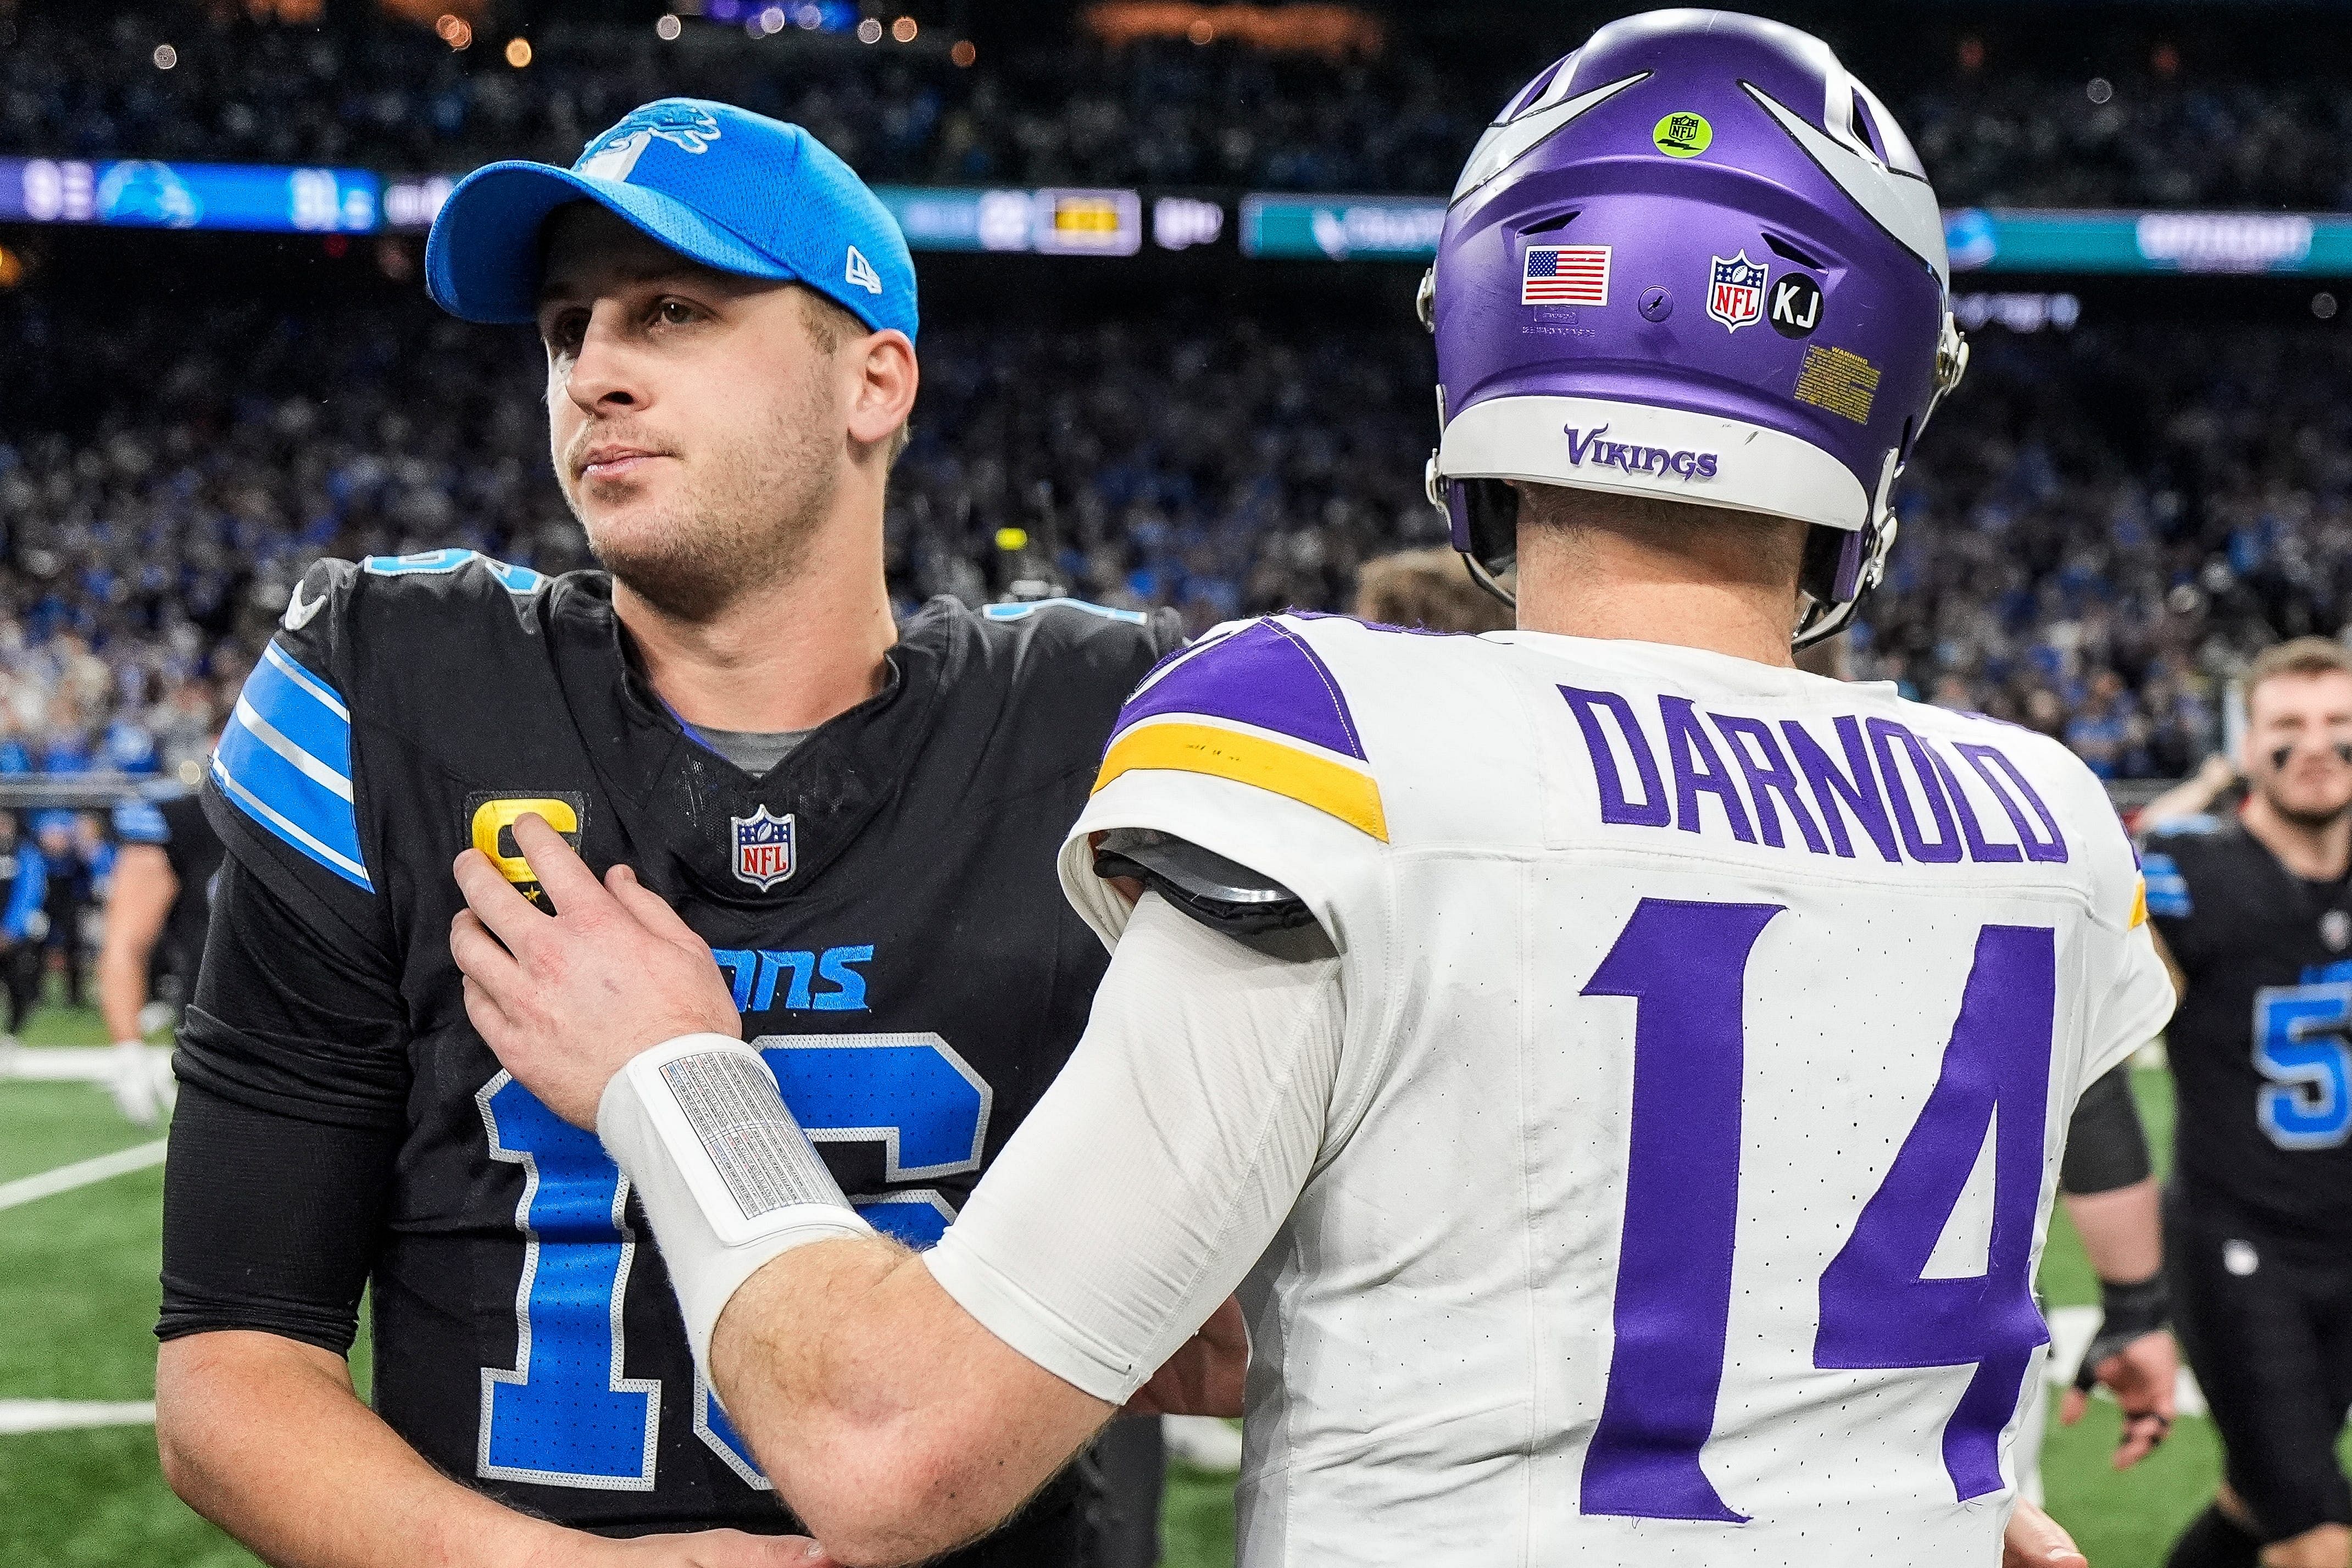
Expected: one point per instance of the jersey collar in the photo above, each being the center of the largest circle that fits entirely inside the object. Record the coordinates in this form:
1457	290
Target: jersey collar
693	818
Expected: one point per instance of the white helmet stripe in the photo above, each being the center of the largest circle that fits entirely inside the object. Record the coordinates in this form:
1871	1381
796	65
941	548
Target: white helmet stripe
1903	205
1634	448
1504	145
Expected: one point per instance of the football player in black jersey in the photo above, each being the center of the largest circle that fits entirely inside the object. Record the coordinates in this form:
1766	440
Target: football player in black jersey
157	903
860	818
2257	913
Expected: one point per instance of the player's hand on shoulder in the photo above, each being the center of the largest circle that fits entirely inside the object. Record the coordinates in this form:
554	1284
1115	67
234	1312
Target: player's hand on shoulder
709	1549
566	998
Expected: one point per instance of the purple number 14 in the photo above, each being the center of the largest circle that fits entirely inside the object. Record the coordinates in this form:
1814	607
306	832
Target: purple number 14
1686	965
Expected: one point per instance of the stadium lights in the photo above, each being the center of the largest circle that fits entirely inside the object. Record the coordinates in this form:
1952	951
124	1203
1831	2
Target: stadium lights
903	29
165	56
668	28
870	31
518	52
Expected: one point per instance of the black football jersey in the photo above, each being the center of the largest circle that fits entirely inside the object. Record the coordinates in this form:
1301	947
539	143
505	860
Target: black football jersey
175	821
883	903
2262	1047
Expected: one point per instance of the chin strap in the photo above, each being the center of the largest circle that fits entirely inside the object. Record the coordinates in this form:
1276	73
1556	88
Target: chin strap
1825	616
1488	580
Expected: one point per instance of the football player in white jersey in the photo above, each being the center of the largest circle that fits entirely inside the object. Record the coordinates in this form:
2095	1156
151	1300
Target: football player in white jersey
1624	1076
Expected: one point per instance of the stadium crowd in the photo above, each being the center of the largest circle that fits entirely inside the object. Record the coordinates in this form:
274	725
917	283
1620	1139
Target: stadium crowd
2102	528
1152	112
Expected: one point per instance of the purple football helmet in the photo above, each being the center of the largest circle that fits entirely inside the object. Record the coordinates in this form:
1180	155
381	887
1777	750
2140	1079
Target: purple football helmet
1695	260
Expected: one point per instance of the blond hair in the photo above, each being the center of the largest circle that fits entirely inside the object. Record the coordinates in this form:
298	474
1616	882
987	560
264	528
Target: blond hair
1426	588
2297	655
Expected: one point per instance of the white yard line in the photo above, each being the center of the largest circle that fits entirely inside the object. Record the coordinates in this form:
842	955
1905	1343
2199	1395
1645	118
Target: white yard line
68	1414
59	1064
80	1174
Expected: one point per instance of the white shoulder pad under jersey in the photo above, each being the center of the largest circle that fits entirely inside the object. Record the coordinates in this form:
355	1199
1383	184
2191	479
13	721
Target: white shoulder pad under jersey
1712	1031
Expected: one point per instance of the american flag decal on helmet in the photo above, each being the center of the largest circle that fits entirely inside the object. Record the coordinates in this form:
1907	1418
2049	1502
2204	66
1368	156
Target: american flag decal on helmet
1565	274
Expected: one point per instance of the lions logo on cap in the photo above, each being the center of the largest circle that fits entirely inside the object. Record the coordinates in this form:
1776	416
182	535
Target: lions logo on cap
682	125
764	847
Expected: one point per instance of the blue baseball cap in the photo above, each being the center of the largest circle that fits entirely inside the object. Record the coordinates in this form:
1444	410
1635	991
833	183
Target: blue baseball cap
722	186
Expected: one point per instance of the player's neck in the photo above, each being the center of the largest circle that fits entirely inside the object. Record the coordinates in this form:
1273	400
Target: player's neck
2320	854
1604	582
787	656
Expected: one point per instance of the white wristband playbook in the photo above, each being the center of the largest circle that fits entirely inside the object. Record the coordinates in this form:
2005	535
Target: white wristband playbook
728	1178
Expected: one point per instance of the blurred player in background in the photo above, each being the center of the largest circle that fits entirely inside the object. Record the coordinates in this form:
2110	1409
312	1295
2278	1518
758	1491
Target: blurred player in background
2109	1185
1624	1075
1428	589
72	891
158	904
24	922
2256	909
860	817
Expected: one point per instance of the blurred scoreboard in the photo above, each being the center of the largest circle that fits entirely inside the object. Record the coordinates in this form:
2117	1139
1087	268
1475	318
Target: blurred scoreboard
1052	222
1071	221
141	192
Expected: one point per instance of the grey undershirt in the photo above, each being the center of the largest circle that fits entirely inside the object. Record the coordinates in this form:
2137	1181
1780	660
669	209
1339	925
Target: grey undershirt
753	750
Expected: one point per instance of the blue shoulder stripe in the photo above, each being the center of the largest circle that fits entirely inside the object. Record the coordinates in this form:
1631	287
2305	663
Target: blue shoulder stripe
304	709
284	759
2168	890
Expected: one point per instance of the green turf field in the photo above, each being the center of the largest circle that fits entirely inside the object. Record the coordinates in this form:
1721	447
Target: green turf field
79	1294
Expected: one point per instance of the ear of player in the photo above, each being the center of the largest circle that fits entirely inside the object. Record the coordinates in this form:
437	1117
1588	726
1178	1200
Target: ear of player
1694	259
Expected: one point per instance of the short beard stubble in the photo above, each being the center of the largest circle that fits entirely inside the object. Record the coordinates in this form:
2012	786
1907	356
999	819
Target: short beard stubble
745	524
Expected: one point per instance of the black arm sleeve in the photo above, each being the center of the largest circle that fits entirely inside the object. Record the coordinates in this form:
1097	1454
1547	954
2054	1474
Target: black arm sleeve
295	1067
2105	1147
270	1221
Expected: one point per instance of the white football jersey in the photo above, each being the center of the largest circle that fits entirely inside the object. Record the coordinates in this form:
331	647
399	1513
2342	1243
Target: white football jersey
1711	1036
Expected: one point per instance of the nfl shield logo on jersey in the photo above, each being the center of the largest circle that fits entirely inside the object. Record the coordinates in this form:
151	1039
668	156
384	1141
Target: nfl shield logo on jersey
763	848
1734	291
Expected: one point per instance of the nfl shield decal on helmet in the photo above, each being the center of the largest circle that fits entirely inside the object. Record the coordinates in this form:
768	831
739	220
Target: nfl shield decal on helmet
1735	291
763	848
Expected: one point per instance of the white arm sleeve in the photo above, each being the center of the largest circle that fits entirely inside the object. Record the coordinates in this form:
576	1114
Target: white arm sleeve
2134	1009
1161	1162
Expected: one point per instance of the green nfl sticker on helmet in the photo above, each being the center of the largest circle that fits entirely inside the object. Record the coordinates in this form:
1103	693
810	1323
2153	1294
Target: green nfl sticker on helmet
1682	135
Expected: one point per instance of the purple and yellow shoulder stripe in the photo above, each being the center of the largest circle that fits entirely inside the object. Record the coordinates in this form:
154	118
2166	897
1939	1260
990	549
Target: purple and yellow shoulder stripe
1257	707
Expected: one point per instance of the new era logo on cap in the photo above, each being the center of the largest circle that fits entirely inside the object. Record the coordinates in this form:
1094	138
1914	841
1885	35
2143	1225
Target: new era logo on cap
859	273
